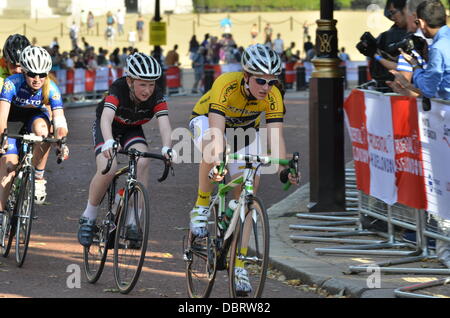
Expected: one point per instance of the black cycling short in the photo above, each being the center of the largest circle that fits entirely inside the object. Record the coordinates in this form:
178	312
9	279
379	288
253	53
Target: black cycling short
128	136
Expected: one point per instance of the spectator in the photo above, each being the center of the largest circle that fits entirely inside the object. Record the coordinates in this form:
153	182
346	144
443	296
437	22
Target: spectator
85	44
193	47
214	50
70	61
268	33
434	81
114	59
109	35
343	55
278	44
172	58
198	63
123	58
254	33
120	17
205	41
73	34
132	38
90	22
308	45
83	21
91	61
289	54
140	27
54	43
110	19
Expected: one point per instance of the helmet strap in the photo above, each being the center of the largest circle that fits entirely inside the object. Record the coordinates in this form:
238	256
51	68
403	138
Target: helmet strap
249	94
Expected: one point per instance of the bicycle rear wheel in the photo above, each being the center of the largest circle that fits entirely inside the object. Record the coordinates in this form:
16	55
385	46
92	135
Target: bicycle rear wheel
130	244
201	260
254	256
95	255
25	213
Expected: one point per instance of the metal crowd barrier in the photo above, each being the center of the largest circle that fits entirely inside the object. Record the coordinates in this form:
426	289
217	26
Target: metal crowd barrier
83	99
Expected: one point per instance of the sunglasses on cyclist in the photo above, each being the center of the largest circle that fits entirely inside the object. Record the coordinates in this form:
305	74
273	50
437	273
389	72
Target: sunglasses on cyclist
263	81
33	75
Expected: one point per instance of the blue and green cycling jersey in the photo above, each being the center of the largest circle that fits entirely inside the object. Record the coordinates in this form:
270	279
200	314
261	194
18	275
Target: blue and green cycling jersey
16	91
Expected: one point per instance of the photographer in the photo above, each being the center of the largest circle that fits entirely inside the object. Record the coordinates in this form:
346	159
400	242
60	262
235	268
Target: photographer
434	81
376	49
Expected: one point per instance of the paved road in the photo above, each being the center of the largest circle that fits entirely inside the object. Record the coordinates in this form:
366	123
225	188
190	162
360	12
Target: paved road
54	246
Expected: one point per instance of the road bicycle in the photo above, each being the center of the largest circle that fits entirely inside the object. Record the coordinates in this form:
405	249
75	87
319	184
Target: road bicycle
19	211
244	242
123	224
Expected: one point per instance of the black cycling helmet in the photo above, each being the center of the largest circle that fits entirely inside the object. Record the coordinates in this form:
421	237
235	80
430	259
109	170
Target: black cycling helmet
13	47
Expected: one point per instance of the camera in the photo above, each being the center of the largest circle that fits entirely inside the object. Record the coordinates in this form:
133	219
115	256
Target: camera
367	45
408	44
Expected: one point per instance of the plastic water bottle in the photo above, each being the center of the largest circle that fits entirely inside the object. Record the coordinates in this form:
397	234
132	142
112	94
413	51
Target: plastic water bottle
226	219
119	196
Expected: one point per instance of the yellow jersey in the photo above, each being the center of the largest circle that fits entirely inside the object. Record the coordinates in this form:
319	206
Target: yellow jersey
227	97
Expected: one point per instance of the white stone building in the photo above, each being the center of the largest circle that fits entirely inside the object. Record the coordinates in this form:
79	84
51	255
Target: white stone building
51	8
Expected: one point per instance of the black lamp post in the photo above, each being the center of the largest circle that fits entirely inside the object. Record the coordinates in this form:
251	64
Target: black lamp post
326	122
157	52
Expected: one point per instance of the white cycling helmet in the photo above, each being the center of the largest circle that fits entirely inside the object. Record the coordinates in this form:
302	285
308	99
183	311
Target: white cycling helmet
35	59
260	60
143	67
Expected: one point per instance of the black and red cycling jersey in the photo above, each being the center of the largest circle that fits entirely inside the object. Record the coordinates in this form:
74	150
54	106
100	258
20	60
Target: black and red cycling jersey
129	113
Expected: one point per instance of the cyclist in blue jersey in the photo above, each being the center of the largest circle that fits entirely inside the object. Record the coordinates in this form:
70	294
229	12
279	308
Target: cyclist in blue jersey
27	98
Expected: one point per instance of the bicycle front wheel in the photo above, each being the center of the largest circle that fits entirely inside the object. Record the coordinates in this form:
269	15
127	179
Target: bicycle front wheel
250	252
95	255
25	213
130	244
8	229
201	259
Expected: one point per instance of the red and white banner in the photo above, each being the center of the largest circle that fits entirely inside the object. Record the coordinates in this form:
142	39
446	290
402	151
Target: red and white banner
390	153
76	81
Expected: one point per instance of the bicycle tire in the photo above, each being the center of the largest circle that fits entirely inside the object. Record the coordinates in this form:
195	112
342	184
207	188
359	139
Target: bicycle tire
94	256
256	260
201	259
25	214
7	235
126	275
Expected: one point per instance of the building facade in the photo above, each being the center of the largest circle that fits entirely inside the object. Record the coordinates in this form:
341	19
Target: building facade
52	8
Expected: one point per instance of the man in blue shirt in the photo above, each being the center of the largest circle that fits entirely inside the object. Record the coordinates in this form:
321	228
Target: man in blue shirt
434	81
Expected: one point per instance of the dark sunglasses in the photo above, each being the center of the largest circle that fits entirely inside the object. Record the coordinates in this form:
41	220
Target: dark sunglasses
33	75
417	22
390	13
262	81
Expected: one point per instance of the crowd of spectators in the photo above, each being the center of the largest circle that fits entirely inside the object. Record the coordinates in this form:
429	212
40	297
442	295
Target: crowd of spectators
87	56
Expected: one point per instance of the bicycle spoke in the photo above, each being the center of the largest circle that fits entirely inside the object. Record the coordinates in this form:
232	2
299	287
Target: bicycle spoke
201	261
250	251
131	239
95	255
24	210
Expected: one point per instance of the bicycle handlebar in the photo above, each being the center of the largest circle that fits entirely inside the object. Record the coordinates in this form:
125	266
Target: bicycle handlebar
32	138
136	153
292	164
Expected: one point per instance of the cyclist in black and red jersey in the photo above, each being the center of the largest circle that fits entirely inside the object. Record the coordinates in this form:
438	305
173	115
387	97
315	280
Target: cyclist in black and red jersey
131	102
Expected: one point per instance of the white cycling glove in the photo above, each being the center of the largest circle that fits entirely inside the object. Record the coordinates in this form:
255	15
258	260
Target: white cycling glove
108	144
169	152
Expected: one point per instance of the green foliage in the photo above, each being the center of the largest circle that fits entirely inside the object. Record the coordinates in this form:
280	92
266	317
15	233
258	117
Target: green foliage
264	5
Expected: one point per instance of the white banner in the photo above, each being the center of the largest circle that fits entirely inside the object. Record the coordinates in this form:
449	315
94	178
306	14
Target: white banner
102	79
380	139
80	81
61	77
435	136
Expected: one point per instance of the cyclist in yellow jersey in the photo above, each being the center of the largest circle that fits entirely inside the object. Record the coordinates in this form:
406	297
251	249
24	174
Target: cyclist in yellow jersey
237	100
